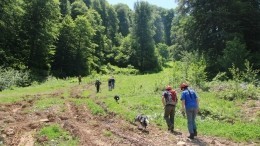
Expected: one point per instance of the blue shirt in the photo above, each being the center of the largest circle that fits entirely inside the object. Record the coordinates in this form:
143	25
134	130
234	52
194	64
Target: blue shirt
190	98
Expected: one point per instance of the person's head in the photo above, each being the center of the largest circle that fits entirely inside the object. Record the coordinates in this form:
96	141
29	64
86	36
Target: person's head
184	86
168	88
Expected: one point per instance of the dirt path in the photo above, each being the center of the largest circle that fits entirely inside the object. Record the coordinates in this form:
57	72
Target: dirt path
18	125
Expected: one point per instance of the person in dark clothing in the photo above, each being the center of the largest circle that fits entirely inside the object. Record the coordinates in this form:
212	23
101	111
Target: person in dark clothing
97	84
109	84
112	82
190	105
79	78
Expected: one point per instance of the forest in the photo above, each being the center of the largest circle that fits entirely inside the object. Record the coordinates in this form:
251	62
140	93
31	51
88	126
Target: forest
68	38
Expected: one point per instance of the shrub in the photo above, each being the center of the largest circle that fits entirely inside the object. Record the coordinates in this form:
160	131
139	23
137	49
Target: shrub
10	77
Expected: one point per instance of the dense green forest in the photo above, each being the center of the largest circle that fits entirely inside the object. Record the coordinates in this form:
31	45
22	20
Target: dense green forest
66	38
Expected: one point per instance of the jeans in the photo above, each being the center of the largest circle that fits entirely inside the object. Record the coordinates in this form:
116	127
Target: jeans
191	115
169	113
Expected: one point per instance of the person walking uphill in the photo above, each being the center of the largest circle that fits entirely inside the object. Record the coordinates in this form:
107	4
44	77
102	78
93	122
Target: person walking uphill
169	100
190	104
97	84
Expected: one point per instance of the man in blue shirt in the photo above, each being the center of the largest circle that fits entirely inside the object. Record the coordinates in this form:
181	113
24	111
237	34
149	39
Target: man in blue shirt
190	103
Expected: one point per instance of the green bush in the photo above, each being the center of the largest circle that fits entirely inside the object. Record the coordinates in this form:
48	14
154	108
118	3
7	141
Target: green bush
10	77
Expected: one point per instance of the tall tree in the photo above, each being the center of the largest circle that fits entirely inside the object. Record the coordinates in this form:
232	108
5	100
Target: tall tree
109	19
143	56
216	23
84	46
99	39
40	30
65	7
78	8
124	16
159	36
64	58
167	21
11	13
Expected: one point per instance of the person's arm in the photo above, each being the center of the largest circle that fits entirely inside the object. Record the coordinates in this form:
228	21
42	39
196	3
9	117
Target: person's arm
183	105
163	101
197	100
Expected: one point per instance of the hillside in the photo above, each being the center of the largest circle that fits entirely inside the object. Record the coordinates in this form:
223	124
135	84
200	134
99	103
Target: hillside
90	118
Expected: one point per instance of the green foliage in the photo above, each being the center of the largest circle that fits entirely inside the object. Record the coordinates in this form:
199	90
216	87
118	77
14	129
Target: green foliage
56	134
110	69
163	53
78	8
234	53
95	109
123	15
143	56
222	31
193	68
48	102
39	30
10	78
242	86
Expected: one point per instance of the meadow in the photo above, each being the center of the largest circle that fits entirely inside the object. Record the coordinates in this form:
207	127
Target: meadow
141	94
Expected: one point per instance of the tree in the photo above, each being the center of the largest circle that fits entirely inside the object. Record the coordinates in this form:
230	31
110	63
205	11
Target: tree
123	15
11	14
65	54
143	56
40	30
65	7
159	36
84	46
78	8
109	20
235	54
167	21
217	22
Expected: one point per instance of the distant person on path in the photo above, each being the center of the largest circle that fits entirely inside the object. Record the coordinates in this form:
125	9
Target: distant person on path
190	104
79	78
113	82
169	101
109	84
97	84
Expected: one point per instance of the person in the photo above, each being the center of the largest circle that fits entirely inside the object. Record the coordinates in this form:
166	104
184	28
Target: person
112	82
79	78
109	84
97	84
190	105
169	100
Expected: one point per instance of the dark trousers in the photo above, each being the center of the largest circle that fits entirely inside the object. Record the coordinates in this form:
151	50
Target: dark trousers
169	113
97	88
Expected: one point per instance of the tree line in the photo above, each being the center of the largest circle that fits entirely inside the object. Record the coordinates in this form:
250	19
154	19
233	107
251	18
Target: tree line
77	37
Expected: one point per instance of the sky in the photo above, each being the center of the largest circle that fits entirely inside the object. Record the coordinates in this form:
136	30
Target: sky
168	4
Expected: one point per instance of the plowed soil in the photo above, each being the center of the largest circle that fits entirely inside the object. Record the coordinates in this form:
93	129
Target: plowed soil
18	125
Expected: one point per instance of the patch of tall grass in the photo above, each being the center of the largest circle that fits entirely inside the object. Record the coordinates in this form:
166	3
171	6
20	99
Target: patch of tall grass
57	136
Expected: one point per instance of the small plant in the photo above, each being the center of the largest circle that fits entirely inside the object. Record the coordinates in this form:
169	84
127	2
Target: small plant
107	133
55	134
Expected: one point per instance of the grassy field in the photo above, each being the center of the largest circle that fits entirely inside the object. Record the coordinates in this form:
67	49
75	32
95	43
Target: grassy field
141	94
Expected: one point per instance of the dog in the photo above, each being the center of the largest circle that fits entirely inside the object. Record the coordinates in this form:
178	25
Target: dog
116	98
143	120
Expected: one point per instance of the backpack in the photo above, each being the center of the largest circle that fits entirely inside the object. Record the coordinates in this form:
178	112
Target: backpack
170	97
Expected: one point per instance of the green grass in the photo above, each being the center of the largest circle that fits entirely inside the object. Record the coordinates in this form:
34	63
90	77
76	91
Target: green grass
57	135
45	103
18	94
141	94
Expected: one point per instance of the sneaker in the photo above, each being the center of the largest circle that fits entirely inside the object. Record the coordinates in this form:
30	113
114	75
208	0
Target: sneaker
191	136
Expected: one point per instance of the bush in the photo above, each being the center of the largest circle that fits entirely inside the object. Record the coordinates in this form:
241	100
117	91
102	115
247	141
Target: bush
110	69
242	86
10	77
